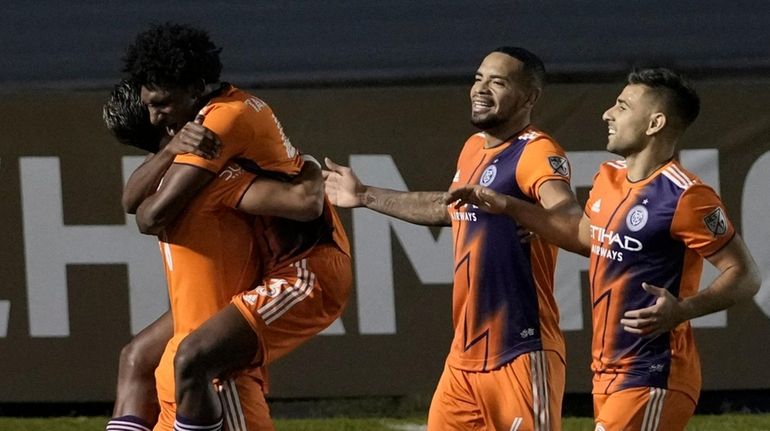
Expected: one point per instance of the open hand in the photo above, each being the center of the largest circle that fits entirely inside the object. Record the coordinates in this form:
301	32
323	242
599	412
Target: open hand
343	187
663	316
196	139
483	197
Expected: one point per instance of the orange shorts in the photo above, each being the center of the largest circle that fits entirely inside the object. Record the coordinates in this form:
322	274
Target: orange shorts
243	406
523	395
643	409
298	300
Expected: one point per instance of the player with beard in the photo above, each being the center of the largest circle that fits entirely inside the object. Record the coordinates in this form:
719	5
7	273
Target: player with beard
648	225
505	369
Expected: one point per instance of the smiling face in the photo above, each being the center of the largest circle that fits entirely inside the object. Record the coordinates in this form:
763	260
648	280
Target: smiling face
499	94
630	120
170	109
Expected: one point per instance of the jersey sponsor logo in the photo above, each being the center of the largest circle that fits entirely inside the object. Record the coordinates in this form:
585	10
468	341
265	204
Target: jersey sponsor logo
597	206
560	165
610	237
716	222
656	368
529	332
636	219
463	216
272	289
488	176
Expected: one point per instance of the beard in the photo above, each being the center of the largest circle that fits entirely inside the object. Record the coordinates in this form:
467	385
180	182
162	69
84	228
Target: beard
487	122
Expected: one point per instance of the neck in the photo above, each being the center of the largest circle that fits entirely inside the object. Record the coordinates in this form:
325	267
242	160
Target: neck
644	163
503	132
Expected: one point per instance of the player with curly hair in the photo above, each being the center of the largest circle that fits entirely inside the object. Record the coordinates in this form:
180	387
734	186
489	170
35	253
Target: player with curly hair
216	337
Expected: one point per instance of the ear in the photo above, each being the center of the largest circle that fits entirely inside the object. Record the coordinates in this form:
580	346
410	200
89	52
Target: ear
534	96
657	123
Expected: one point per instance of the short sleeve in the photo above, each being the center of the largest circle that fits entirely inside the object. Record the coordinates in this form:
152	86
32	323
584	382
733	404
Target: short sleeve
231	184
542	160
247	133
701	221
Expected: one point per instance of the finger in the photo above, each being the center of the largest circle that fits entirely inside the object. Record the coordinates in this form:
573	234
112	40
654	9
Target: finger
636	331
325	174
199	118
654	290
637	323
331	165
640	313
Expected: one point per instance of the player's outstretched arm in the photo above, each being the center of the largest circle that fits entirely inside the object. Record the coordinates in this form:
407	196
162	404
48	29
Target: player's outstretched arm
345	190
300	199
144	181
738	280
559	220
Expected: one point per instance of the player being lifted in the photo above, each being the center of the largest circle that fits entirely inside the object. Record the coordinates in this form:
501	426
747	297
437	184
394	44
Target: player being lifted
208	250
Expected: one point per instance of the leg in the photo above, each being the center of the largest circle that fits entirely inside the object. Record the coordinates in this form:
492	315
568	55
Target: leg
298	300
454	408
223	344
643	409
523	395
136	397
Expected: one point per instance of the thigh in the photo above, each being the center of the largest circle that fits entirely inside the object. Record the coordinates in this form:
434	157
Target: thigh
224	343
643	409
453	407
525	394
298	300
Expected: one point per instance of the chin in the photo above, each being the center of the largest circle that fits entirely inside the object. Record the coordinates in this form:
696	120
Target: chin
486	123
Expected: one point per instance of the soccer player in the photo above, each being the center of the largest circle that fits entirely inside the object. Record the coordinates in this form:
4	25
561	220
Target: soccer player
505	369
648	224
206	251
136	404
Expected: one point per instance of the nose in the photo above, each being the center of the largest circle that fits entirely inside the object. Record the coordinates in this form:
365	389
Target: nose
156	116
607	115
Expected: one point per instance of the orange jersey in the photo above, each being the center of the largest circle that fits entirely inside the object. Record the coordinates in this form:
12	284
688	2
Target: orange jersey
280	241
503	301
250	134
656	231
209	257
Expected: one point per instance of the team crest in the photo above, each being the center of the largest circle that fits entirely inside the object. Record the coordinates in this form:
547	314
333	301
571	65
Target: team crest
560	165
716	222
488	176
637	218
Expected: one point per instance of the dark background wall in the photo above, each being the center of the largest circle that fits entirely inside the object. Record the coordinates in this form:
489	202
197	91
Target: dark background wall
79	43
60	58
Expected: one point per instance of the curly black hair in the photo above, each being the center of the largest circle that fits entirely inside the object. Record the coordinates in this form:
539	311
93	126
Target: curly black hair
171	56
129	120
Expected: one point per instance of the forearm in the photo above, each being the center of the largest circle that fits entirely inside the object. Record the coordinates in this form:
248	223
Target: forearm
144	181
300	199
424	208
734	285
558	225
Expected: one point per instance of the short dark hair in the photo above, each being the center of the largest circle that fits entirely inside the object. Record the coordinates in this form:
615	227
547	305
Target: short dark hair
678	95
533	68
172	55
128	119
